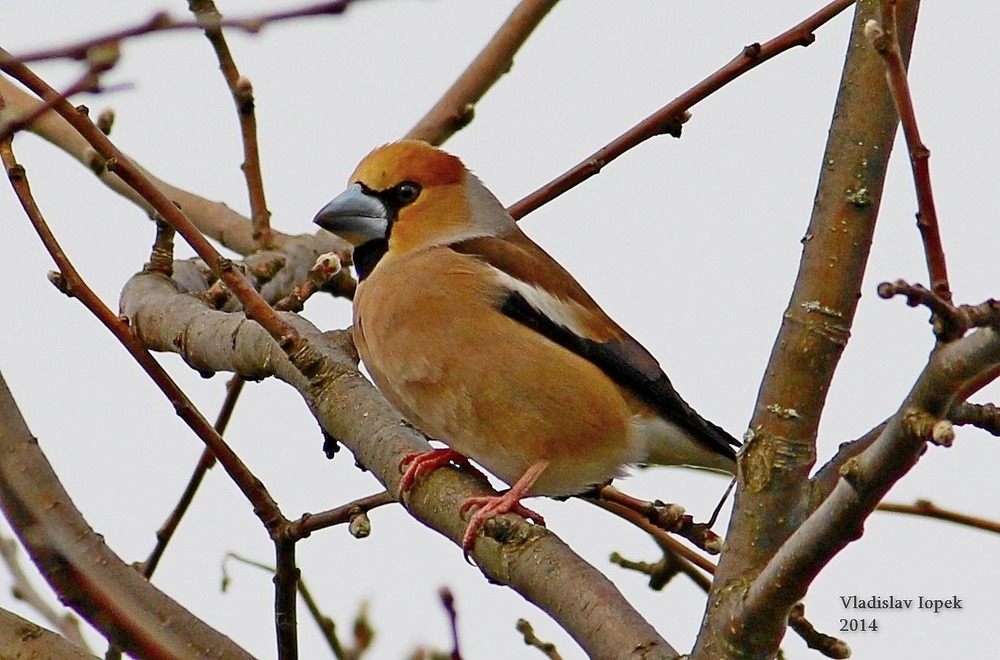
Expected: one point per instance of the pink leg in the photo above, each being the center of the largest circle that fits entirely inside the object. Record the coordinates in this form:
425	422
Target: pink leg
495	505
419	465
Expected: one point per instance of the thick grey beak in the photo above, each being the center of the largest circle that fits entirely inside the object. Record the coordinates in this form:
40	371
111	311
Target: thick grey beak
354	216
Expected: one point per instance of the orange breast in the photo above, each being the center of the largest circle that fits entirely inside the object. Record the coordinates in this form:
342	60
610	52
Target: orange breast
430	333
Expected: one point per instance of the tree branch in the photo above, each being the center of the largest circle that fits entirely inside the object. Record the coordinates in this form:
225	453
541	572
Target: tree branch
531	560
928	509
162	21
242	92
669	118
774	494
884	37
214	219
867	477
19	638
110	594
455	109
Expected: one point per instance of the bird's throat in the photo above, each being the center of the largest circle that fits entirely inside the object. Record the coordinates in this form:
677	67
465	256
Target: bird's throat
367	256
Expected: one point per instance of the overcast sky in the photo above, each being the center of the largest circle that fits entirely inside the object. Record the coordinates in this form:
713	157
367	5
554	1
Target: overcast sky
692	245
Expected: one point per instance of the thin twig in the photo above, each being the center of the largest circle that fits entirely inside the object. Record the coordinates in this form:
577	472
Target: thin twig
363	633
530	639
950	321
885	41
928	509
661	572
88	82
312	522
662	538
161	22
456	108
668	517
829	646
327	274
668	119
255	307
166	532
985	416
70	282
207	15
448	602
67	624
286	580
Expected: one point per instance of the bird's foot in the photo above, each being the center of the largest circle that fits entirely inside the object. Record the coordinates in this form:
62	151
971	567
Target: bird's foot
490	506
423	463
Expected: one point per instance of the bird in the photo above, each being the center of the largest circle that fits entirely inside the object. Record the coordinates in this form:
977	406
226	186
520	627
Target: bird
484	342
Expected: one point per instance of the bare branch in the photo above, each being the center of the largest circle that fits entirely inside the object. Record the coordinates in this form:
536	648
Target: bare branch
77	563
669	118
780	450
530	639
448	601
20	638
162	22
456	108
663	571
928	509
166	532
985	416
351	410
885	39
868	476
660	535
829	646
347	513
950	321
242	92
90	82
362	629
214	219
67	624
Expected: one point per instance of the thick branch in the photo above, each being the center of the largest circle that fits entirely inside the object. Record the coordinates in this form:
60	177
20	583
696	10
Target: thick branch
20	638
867	477
106	591
775	494
531	560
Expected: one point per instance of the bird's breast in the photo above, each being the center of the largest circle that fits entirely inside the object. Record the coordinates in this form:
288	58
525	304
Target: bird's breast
430	333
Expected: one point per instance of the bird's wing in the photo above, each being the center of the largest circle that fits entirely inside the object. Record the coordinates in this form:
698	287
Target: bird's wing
541	295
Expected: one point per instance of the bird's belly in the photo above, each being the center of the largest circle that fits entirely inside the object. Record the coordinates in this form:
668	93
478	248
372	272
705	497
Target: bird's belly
583	446
513	410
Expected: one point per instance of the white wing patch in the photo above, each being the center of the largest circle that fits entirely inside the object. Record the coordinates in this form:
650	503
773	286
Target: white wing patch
566	313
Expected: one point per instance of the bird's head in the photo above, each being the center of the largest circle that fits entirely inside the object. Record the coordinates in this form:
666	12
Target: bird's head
408	195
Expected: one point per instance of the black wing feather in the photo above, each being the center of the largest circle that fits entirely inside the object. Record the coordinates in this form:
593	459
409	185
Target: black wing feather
629	364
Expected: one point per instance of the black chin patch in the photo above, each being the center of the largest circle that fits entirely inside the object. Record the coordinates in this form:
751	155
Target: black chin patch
367	256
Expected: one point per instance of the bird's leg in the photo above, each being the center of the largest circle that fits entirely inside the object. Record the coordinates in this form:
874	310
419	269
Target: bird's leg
495	505
423	463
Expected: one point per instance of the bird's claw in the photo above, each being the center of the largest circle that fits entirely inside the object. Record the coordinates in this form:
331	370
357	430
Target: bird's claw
491	506
416	466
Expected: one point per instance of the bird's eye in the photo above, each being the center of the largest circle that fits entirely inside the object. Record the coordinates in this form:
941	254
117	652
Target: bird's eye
407	192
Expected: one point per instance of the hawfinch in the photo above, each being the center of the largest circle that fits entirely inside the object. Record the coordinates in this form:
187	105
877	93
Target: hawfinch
484	342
